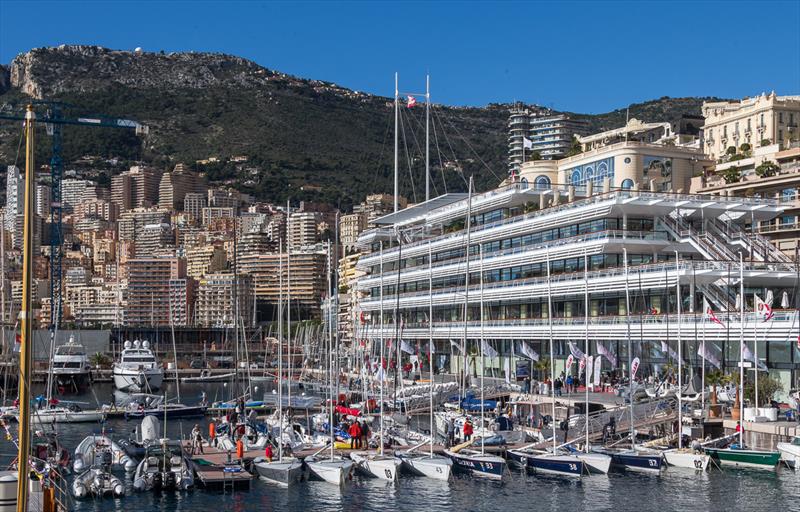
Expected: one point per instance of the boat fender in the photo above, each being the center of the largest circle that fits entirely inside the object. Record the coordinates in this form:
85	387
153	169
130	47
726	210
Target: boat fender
212	430
139	484
119	489
239	449
128	463
78	464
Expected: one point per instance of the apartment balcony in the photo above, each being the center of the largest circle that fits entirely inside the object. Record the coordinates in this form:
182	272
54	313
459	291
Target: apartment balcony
779	228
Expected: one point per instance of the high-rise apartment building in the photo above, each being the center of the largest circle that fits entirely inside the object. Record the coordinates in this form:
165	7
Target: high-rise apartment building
205	259
44	196
157	291
217	302
193	204
302	229
175	185
549	135
74	192
136	188
15	197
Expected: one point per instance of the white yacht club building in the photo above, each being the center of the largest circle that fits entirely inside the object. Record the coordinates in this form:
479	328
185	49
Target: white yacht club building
523	231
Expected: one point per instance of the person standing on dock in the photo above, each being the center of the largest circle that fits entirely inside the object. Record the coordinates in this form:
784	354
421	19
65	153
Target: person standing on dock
355	435
364	434
451	432
467	430
197	440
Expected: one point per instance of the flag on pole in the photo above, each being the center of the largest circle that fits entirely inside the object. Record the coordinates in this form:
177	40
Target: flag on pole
598	363
456	345
570	360
581	365
748	355
406	347
668	350
507	369
708	356
527	143
575	351
708	313
528	352
17	339
603	351
785	300
412	101
487	349
588	363
634	367
763	309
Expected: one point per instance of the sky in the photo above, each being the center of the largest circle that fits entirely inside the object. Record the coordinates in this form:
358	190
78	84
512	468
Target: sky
576	56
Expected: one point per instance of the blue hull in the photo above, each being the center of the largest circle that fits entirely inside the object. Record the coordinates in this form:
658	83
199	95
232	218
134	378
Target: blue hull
474	465
637	462
559	467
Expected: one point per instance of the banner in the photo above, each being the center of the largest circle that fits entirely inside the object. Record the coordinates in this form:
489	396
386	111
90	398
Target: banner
570	360
581	365
603	351
634	367
588	363
748	356
456	345
598	363
487	349
406	347
507	369
708	313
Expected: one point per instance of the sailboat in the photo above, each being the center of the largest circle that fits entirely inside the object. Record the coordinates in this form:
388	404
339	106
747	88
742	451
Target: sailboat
334	469
632	459
738	455
682	457
428	465
563	464
476	462
285	470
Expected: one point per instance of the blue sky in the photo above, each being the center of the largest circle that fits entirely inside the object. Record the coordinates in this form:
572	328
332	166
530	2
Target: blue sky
577	56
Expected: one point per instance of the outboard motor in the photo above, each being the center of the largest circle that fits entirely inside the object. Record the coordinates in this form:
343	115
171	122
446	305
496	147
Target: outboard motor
157	482
169	480
106	460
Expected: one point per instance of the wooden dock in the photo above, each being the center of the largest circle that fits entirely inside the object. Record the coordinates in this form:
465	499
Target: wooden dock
217	468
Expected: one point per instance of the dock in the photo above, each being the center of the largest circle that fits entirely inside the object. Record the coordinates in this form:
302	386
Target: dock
217	468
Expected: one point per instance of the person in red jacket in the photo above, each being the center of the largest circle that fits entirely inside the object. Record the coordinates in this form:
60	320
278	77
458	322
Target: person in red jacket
467	430
268	454
355	435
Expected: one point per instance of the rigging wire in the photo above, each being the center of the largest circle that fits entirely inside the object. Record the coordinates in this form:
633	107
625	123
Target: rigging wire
408	157
455	158
473	150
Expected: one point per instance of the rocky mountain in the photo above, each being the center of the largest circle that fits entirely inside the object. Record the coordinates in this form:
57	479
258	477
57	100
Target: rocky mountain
303	139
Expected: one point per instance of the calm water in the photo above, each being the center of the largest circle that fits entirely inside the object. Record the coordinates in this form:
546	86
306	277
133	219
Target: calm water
674	489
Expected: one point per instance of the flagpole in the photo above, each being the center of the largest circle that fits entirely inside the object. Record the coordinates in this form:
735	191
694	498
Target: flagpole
396	143
427	137
630	347
586	355
756	303
430	333
466	286
552	359
680	349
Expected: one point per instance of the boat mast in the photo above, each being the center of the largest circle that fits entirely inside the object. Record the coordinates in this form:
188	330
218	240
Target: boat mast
680	349
330	349
280	350
552	358
466	289
740	391
430	333
26	346
630	346
381	370
427	137
483	367
289	316
174	356
587	357
396	143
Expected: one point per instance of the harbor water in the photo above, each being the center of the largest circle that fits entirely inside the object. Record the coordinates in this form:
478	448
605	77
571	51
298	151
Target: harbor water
674	489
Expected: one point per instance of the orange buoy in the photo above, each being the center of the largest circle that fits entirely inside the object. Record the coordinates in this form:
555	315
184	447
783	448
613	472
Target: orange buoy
239	449
212	430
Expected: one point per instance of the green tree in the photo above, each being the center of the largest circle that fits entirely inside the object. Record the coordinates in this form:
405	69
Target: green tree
744	148
765	142
732	174
731	150
542	367
715	378
575	147
536	156
767	388
766	169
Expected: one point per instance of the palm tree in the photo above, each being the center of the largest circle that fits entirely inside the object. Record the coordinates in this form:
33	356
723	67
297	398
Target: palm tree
715	378
542	367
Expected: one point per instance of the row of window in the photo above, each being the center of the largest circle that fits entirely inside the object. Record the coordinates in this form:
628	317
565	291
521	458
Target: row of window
594	226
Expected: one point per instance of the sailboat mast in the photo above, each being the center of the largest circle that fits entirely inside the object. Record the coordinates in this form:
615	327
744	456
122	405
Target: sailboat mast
552	355
586	344
466	289
381	369
26	347
396	143
740	391
483	367
430	333
630	346
288	314
330	349
680	349
280	350
427	137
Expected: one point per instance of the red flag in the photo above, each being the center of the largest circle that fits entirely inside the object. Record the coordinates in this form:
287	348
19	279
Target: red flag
411	101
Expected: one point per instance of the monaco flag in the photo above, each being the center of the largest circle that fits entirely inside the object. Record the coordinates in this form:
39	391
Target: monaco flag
634	367
708	313
412	101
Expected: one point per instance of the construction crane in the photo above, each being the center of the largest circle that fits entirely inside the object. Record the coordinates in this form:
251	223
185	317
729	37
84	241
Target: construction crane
54	119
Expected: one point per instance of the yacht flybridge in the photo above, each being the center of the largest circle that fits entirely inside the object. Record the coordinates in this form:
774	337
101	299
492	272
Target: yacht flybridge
71	368
137	369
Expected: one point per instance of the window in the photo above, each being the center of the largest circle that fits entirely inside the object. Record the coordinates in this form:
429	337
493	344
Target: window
788	194
748	124
762	120
788	220
542	182
780	135
725	131
791	119
780	117
627	184
736	128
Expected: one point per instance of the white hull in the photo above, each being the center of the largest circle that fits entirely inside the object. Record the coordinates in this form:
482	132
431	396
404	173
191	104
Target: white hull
334	472
436	467
61	415
377	466
138	381
286	472
595	462
687	459
790	454
89	453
